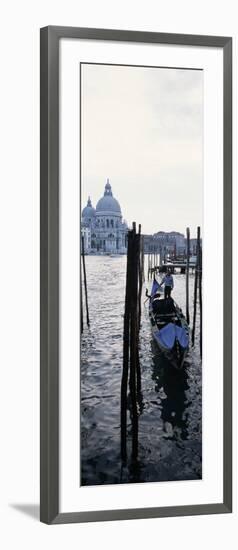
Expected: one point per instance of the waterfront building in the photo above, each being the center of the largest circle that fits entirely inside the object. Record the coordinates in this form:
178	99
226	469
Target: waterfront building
173	242
150	244
108	231
165	242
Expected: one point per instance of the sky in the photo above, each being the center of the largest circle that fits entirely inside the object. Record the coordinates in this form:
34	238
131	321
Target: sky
142	128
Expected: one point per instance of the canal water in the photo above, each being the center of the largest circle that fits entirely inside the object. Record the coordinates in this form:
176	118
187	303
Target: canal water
170	420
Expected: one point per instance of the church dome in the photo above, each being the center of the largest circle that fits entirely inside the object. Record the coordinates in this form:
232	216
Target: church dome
89	211
107	203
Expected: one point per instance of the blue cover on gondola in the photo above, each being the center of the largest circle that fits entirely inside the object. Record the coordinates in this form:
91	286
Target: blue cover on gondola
168	334
182	336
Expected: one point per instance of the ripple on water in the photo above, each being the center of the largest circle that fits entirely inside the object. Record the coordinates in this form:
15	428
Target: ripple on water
170	421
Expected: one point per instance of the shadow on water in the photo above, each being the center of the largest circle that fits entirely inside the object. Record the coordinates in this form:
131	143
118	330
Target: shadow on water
170	385
174	384
169	406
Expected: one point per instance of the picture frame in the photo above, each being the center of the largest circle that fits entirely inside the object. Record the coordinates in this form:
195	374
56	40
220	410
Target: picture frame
49	275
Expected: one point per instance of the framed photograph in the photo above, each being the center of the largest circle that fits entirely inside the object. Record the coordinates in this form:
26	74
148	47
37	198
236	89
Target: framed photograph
136	275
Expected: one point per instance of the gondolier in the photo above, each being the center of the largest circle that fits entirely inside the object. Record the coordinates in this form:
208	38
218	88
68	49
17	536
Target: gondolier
168	282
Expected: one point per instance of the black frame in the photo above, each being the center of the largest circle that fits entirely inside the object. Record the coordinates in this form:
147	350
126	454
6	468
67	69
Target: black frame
49	275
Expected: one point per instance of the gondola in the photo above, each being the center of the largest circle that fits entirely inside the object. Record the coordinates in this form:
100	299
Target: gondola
169	327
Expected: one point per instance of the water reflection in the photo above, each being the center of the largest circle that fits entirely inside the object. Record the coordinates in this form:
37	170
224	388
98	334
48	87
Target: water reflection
169	405
171	385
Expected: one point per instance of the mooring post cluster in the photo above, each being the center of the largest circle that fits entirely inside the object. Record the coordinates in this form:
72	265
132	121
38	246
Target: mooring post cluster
152	264
132	315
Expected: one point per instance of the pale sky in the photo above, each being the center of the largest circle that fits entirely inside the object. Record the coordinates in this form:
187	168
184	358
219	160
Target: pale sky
143	129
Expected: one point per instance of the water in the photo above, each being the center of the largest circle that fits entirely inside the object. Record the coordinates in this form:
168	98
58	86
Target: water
170	421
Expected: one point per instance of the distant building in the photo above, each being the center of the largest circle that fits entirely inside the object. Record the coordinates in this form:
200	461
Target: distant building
150	245
172	241
165	242
105	229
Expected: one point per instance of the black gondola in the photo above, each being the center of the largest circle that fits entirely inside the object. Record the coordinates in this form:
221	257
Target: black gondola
169	327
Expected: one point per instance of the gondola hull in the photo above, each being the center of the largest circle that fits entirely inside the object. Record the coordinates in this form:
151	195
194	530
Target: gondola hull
171	334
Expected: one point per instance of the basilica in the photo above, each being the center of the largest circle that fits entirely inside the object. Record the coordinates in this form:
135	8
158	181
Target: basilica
103	229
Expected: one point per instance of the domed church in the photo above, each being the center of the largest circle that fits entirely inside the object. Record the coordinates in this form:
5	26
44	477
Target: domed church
103	228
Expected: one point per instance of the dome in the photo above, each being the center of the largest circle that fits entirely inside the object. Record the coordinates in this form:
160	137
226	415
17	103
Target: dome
89	211
107	203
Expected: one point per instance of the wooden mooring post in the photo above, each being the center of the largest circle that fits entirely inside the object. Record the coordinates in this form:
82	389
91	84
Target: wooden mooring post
81	302
198	289
126	341
134	342
187	275
141	271
85	282
131	365
143	258
200	296
197	275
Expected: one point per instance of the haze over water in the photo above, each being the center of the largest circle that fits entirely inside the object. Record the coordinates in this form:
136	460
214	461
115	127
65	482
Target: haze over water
170	421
